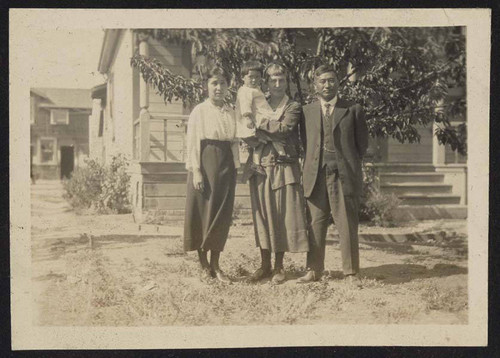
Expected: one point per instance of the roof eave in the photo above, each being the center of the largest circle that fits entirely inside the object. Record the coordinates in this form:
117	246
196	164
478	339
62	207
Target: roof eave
108	49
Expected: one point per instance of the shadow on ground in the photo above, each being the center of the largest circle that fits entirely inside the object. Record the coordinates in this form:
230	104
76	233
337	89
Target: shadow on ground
400	273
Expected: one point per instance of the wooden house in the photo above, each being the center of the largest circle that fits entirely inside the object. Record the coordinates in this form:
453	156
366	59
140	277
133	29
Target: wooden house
129	117
59	130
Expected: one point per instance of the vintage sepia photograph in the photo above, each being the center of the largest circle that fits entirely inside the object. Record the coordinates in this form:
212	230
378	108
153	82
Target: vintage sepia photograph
238	178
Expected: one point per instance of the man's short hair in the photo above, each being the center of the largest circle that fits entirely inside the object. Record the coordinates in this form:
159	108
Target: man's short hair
324	69
251	66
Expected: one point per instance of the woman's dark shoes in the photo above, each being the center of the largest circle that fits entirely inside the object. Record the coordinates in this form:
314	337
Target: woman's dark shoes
260	274
278	276
222	277
310	276
206	274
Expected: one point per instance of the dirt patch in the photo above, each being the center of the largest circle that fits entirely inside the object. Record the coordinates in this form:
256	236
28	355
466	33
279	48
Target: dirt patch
104	271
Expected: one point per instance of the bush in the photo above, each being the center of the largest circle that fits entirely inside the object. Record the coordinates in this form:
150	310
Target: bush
101	188
116	186
376	207
85	185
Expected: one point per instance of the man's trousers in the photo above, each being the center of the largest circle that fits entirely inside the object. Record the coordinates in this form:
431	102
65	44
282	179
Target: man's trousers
328	198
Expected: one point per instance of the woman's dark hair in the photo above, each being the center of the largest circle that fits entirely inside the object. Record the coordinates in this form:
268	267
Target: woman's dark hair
251	66
217	71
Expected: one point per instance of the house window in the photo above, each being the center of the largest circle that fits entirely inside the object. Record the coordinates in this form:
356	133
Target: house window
47	150
59	116
32	110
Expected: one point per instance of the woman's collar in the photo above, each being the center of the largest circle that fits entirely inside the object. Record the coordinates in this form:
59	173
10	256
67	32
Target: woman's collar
223	108
281	106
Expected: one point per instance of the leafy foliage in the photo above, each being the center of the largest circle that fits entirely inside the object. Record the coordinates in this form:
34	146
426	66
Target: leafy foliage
400	75
376	207
85	185
100	188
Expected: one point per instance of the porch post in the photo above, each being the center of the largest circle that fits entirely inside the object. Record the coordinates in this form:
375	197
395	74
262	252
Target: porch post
144	104
438	150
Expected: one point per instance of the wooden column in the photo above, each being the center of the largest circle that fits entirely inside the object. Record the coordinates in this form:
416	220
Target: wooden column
144	104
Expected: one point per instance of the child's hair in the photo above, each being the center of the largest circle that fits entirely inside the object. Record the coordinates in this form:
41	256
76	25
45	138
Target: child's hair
251	66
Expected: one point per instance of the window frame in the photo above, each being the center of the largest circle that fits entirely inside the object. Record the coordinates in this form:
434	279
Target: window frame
52	120
54	156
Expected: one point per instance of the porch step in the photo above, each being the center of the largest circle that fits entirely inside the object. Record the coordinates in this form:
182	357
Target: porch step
415	177
429	199
403	213
416	188
429	212
403	167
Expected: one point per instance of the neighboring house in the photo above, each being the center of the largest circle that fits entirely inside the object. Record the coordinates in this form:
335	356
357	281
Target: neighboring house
128	117
59	130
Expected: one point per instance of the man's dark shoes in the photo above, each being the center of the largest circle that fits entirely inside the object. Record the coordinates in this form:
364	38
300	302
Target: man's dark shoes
260	274
278	276
353	280
310	276
221	276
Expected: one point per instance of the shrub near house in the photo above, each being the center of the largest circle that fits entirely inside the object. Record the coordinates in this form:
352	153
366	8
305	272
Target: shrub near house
104	189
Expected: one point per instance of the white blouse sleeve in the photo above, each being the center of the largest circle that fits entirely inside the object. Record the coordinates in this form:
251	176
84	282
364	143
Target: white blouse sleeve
193	140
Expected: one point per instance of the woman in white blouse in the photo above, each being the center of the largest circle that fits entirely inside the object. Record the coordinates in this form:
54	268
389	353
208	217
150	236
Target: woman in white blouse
212	159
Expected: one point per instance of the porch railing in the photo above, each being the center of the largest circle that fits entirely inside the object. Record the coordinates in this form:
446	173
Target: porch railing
160	138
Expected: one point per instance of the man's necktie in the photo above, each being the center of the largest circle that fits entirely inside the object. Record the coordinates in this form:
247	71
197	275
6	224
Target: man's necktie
328	107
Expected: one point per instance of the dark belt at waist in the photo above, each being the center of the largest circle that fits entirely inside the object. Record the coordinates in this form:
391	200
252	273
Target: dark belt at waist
215	142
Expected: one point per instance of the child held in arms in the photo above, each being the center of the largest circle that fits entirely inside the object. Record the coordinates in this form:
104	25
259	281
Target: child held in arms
251	109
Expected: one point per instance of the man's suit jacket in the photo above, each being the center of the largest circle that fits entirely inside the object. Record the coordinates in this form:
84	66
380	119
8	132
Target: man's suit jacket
350	139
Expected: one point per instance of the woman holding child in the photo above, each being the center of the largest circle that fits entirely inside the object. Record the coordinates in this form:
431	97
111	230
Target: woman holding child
274	173
212	159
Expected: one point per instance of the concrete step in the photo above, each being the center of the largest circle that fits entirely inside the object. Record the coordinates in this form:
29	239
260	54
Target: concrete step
429	199
416	188
429	212
404	167
403	213
415	177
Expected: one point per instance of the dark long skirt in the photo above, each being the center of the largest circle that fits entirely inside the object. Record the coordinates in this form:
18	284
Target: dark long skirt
208	214
278	210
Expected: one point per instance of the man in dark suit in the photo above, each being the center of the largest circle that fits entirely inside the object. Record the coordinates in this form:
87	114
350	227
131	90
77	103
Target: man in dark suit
335	140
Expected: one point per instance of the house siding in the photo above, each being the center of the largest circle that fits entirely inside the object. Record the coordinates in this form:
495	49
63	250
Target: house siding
74	134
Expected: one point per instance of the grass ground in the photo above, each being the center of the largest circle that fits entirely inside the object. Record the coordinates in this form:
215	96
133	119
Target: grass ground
127	278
